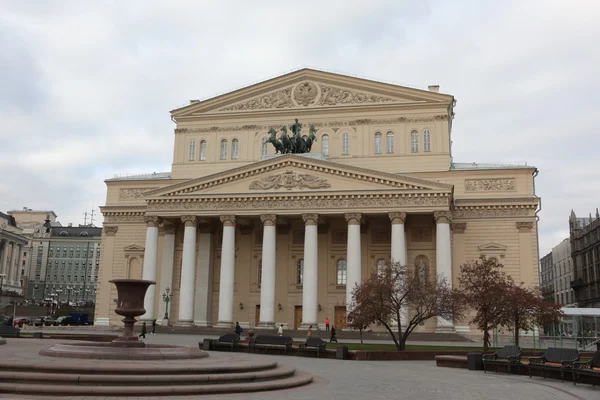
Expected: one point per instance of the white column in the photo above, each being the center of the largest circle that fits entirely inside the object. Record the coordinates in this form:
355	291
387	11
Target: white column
166	271
311	269
267	285
399	251
188	269
150	265
226	286
443	257
353	258
3	255
17	273
204	278
11	264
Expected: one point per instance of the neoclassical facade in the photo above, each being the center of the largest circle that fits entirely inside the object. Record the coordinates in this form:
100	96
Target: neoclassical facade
12	244
239	233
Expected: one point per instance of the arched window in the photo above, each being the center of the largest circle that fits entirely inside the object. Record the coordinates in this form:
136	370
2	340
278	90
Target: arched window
264	147
426	140
325	145
224	149
345	143
192	155
300	272
341	272
378	146
414	141
381	266
390	142
203	150
235	149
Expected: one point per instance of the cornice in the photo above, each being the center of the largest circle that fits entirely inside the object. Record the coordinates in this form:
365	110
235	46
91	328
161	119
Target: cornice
494	211
290	160
495	200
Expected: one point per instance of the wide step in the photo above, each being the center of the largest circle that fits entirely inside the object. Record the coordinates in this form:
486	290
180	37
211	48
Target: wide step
298	379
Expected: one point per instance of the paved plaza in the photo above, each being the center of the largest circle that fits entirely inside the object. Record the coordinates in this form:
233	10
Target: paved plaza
334	379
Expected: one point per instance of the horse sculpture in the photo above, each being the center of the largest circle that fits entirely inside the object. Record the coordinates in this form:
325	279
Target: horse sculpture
296	143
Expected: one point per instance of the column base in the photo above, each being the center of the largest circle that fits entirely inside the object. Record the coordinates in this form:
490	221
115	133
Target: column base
304	326
224	324
266	325
462	329
204	324
445	329
184	323
101	321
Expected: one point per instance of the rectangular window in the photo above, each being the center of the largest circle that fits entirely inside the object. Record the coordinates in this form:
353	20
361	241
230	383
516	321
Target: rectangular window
414	142
203	150
426	140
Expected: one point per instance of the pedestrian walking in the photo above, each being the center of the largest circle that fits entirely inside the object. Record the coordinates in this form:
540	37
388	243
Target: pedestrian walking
333	338
309	332
326	323
153	327
238	328
144	330
280	330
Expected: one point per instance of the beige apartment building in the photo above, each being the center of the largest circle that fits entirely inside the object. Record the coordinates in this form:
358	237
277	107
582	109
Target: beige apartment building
240	233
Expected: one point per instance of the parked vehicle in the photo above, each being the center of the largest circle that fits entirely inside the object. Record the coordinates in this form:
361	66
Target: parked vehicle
66	320
49	321
20	321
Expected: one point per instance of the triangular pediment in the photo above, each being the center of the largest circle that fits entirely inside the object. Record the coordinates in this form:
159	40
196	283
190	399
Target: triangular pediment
309	88
134	248
492	247
297	174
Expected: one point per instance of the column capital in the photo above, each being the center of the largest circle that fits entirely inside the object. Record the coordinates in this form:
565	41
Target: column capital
151	221
397	217
228	220
442	217
524	226
458	227
268	219
189	220
353	218
310	219
110	230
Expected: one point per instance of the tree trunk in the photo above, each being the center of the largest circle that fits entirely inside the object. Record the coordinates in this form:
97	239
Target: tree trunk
516	329
486	340
402	343
361	338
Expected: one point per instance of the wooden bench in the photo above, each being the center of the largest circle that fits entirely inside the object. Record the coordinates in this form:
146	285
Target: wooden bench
313	344
507	356
273	342
588	368
229	340
555	359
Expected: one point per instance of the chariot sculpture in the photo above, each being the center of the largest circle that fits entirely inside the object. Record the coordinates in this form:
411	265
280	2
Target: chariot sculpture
294	144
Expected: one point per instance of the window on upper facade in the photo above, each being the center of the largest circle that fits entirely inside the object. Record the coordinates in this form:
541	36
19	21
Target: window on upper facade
390	142
427	140
341	272
264	149
325	145
345	143
380	266
224	149
300	272
414	142
192	155
235	149
378	146
203	150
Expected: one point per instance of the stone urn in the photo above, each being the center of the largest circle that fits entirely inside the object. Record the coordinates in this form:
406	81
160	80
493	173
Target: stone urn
130	304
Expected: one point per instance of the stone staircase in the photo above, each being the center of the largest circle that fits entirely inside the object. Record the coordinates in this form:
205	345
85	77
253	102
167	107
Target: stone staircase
217	376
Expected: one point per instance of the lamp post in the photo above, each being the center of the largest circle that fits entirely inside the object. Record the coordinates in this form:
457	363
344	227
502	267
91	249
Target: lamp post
167	297
35	288
69	289
58	292
76	296
87	291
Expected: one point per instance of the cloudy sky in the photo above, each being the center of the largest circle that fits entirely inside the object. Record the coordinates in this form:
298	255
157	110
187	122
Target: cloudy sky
86	87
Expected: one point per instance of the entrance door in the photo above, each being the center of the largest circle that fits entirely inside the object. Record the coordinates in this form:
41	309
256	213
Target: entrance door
297	316
340	317
257	315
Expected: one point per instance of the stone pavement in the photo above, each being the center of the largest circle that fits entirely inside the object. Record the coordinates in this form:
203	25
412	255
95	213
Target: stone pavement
415	380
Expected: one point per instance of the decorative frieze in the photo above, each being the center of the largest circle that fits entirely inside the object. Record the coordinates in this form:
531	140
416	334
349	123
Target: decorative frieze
279	99
419	234
119	218
494	212
133	193
289	180
332	96
490	185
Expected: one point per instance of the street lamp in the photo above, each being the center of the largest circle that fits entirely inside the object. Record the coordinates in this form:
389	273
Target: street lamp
69	289
87	291
58	292
167	297
76	296
35	288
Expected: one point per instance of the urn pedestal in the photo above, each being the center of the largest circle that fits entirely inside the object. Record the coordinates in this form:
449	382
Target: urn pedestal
130	304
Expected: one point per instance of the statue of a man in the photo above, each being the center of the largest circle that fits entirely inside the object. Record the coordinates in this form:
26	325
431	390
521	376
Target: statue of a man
296	128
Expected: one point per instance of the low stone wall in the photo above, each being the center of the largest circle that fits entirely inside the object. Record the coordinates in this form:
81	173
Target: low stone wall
72	328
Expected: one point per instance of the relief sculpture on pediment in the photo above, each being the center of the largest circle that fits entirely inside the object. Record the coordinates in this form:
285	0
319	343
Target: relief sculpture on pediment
332	96
278	99
289	180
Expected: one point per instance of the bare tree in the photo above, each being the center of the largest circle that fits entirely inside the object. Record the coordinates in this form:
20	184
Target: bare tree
397	289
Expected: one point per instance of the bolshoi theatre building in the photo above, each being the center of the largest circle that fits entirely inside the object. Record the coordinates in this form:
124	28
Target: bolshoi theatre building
285	194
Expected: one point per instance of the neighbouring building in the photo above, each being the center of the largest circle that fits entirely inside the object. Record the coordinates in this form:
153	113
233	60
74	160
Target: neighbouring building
547	278
12	243
563	274
240	233
585	252
33	224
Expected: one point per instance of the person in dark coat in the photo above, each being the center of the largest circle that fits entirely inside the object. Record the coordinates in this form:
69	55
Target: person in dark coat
144	330
333	338
238	329
153	327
